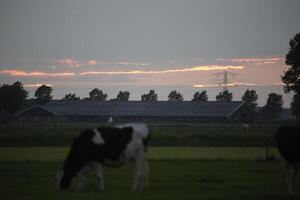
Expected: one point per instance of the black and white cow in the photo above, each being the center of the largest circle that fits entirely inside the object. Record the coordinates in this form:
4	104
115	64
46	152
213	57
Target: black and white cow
110	146
288	142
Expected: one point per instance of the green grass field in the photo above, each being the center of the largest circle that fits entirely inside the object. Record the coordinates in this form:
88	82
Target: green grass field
56	154
192	135
206	161
172	180
175	173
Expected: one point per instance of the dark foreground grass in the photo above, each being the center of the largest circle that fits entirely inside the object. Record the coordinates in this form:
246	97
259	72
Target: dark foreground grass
232	180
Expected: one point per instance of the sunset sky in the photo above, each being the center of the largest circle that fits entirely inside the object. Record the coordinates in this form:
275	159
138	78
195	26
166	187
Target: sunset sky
76	45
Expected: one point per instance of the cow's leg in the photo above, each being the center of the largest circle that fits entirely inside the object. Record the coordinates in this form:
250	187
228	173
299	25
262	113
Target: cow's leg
139	171
290	173
81	178
146	168
293	171
99	173
81	175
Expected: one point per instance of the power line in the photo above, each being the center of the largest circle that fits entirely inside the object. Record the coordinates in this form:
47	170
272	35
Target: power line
225	76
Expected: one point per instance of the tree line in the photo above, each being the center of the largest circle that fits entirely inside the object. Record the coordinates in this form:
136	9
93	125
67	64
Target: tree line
13	96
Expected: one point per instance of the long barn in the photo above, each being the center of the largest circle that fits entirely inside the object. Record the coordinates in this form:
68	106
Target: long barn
142	111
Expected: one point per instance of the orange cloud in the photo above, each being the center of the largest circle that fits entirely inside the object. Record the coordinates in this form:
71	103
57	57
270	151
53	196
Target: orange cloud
36	85
30	74
92	62
207	85
76	64
70	62
265	63
235	85
191	69
131	63
256	60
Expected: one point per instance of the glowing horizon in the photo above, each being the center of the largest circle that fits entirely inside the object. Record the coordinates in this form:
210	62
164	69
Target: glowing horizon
260	59
36	85
191	69
34	73
235	85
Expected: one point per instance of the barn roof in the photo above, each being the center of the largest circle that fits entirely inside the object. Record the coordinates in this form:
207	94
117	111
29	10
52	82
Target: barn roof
36	107
140	108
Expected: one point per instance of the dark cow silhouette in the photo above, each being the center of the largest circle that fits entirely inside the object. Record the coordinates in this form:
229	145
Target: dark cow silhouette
288	142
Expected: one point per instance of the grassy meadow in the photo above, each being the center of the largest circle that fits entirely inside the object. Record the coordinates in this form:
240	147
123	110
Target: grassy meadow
177	179
206	161
56	154
189	135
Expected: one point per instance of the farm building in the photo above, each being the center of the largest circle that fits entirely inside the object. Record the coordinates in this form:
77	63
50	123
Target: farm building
156	111
144	111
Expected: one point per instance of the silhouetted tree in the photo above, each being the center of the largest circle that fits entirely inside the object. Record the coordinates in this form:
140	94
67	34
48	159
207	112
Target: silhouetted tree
123	96
151	96
295	105
200	96
12	97
43	94
175	96
71	97
97	95
250	97
224	96
291	77
273	107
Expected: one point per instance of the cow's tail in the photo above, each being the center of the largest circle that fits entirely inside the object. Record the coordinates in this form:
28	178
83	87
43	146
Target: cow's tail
146	141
